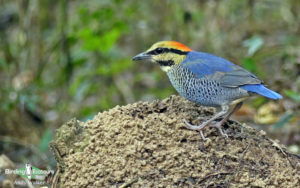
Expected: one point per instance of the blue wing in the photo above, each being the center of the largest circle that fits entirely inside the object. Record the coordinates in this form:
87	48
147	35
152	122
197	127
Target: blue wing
203	64
208	65
230	75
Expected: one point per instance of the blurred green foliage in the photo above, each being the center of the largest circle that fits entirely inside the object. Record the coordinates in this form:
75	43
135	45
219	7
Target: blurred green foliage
61	59
284	119
293	95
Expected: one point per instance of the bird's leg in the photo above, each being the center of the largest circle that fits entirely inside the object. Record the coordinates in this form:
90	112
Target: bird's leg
219	124
224	110
195	127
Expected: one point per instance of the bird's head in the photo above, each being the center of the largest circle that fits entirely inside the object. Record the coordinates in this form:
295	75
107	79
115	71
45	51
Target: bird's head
164	53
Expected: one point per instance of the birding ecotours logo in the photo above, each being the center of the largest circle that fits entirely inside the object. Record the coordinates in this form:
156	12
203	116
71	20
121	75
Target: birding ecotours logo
30	172
35	175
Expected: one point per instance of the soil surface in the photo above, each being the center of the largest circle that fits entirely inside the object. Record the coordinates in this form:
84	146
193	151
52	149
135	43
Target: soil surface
146	144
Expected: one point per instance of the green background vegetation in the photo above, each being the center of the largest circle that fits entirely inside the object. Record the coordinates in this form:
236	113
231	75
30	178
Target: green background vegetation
61	59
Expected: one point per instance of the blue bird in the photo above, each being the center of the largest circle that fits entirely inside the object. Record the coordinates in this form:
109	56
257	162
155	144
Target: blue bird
206	79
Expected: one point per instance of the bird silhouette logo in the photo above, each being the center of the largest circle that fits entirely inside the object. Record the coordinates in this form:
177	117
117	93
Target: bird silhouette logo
28	169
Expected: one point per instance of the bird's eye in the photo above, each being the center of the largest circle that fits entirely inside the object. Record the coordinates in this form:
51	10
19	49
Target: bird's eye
159	50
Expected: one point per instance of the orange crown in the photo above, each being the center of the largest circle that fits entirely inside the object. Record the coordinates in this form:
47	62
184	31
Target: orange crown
177	45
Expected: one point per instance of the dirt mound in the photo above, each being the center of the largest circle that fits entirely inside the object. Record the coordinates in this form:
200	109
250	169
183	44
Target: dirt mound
146	145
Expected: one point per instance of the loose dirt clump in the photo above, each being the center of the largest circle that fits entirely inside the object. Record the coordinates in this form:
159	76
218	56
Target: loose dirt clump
146	145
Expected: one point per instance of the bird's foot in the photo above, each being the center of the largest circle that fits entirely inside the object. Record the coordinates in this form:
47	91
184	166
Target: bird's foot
196	127
200	128
219	127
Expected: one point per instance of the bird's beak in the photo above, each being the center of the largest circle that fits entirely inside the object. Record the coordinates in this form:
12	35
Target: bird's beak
142	56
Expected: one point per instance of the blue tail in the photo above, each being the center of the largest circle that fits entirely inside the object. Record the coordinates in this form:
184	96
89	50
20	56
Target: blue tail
262	90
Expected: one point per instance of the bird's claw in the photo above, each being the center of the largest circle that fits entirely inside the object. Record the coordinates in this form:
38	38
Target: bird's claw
218	126
202	135
195	127
201	127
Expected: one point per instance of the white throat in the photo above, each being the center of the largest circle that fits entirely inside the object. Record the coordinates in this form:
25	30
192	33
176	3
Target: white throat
165	68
